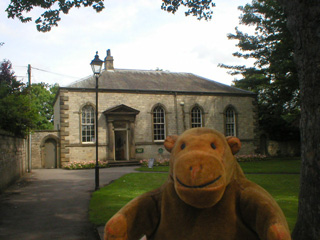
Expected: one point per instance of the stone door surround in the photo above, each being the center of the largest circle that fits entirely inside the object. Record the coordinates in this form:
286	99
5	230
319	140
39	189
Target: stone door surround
121	117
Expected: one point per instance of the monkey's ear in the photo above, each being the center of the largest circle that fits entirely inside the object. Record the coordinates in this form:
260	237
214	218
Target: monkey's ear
170	142
234	143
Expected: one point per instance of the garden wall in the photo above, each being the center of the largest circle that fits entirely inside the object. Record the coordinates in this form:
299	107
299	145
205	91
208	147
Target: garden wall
288	149
12	159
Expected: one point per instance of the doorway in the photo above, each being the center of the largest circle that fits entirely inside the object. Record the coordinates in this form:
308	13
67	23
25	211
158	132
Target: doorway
121	139
50	153
120	132
263	144
121	145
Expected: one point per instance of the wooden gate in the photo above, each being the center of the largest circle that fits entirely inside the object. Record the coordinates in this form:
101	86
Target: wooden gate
50	153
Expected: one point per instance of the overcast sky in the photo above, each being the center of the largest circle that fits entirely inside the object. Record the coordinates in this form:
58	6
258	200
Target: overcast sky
139	34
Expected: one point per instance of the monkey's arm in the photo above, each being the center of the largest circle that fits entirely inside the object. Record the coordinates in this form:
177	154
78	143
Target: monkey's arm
137	218
261	212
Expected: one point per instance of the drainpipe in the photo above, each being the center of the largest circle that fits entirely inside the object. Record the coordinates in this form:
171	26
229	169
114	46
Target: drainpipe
59	147
176	110
29	153
183	116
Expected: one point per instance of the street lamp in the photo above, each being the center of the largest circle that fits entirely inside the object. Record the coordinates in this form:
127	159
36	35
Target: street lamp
96	65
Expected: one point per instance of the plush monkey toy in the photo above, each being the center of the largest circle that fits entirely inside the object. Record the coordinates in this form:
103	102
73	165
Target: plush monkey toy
206	197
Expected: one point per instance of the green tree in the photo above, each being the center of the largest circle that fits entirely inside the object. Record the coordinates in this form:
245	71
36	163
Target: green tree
8	82
16	115
273	76
42	97
24	108
51	16
302	21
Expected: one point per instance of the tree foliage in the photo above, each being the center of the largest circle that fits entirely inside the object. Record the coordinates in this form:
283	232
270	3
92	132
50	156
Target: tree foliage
16	116
53	8
42	98
199	9
51	16
273	76
8	82
24	108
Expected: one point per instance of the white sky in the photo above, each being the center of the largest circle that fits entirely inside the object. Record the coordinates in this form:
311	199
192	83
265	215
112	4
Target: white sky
139	34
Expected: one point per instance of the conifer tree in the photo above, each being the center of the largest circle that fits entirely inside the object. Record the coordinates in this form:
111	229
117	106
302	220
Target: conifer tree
273	76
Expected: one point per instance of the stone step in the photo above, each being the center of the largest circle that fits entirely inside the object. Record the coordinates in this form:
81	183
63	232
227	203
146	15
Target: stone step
124	163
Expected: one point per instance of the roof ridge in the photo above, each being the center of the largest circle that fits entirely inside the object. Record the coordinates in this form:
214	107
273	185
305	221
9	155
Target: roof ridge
150	70
155	80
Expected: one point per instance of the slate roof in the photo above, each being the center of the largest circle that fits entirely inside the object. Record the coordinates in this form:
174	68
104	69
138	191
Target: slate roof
152	80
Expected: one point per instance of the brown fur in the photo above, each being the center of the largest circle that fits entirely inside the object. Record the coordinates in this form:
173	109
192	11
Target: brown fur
205	197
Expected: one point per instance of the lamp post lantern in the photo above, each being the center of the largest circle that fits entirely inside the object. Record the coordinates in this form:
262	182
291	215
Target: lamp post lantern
96	65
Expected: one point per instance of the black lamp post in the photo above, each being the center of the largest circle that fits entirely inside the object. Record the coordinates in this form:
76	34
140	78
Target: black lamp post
96	65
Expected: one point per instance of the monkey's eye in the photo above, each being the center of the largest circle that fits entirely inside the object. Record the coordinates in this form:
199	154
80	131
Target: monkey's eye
183	145
213	146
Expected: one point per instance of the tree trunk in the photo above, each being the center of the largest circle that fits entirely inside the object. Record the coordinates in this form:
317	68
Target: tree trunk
304	23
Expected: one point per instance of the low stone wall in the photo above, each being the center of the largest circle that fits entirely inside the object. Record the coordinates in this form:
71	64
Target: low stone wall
13	157
288	149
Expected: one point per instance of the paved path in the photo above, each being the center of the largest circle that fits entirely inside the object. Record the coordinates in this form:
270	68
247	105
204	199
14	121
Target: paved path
52	204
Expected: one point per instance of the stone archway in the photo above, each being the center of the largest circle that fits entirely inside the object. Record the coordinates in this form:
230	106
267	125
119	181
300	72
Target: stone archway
50	149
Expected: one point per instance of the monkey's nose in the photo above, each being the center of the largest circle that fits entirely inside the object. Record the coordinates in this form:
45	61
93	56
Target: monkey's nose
195	170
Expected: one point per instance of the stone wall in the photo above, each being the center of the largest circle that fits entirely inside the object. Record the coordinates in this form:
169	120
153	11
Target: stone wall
280	149
177	119
38	140
12	159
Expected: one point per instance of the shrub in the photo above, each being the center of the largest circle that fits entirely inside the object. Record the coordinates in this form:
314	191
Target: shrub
85	165
250	158
157	162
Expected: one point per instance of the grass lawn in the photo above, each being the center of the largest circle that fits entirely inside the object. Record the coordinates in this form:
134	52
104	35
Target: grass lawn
108	200
154	169
283	187
272	166
282	165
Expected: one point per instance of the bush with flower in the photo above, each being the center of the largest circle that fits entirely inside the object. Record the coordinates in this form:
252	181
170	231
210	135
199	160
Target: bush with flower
250	158
85	165
156	163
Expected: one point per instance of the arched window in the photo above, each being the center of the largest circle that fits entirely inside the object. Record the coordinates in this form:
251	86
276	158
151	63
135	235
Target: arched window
196	117
159	124
230	117
87	124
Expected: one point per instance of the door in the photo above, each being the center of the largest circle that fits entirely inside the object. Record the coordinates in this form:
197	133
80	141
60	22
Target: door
121	144
263	144
50	154
121	140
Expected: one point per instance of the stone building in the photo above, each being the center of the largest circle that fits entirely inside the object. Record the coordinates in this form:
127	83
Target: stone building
137	109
